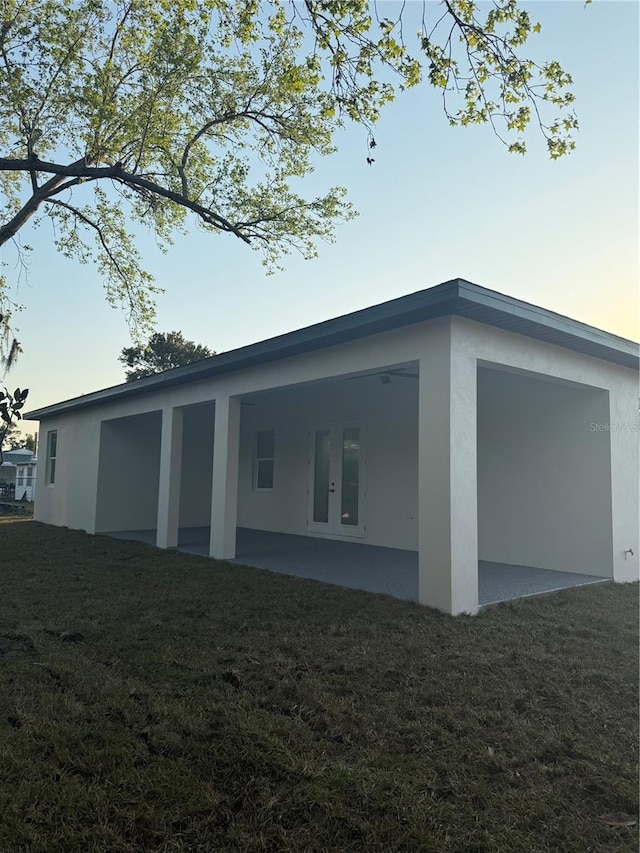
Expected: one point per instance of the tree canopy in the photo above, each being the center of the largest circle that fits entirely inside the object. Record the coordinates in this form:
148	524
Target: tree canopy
163	352
166	112
10	406
14	439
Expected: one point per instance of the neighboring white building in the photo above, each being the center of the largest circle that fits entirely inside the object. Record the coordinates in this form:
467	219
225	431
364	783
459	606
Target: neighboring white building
456	422
18	474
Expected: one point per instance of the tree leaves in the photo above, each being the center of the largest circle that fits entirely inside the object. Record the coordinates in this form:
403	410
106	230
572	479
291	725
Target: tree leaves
164	351
156	112
10	405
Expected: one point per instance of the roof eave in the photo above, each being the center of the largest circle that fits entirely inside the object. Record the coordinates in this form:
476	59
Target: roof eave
455	297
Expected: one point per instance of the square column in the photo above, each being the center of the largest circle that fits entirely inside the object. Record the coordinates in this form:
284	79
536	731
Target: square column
170	475
624	431
224	493
447	473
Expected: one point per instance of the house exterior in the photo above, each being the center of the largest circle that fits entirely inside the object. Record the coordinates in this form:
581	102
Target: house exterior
17	474
25	479
456	422
7	480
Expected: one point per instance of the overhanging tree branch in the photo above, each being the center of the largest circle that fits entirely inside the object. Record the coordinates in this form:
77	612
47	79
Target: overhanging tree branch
56	184
220	108
80	169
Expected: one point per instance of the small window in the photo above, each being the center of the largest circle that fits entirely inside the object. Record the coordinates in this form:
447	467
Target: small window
265	453
52	442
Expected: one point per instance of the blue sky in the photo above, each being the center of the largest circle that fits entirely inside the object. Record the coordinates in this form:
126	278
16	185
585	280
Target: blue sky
439	202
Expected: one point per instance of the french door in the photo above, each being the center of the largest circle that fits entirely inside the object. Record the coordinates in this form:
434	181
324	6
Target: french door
336	482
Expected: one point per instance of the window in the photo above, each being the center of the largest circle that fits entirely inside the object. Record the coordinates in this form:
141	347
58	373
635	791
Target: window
52	442
263	467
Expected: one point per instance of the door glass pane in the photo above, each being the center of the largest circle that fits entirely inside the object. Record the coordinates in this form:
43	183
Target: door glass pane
322	457
350	476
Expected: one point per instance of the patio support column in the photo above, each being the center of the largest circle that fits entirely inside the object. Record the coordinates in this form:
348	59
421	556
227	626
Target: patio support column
224	495
170	474
625	475
447	473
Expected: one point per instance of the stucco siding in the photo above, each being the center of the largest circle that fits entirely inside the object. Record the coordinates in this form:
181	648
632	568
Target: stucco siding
197	465
71	500
128	473
544	477
388	415
618	418
587	522
623	426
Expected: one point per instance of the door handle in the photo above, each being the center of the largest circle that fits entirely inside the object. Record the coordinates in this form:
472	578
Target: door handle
331	490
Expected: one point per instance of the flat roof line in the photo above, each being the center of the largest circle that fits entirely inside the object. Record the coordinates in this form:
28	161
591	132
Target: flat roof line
454	297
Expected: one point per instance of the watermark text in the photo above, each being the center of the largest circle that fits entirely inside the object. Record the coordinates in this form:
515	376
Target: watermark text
614	427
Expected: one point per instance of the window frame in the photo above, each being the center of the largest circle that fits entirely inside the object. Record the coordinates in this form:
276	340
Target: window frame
50	467
258	460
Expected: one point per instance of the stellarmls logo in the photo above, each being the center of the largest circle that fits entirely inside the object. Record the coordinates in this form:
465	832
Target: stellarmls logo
615	427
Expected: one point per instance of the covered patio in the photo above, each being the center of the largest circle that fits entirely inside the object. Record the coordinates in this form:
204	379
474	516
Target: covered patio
333	494
390	571
454	447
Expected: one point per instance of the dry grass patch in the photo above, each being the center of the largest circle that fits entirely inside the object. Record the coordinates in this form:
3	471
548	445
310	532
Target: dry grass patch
162	702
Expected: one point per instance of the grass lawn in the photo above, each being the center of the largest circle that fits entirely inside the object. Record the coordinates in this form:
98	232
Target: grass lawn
12	507
153	701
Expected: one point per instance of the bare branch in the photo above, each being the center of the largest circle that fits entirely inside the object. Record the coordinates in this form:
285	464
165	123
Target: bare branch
80	169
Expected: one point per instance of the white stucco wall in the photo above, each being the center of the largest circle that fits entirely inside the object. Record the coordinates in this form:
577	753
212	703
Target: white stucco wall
197	464
544	477
71	500
624	428
448	542
388	414
128	473
448	350
478	343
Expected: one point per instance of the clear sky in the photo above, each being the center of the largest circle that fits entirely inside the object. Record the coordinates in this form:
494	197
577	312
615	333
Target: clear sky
438	203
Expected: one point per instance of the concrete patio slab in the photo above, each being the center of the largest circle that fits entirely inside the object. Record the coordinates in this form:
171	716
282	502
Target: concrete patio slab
354	565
